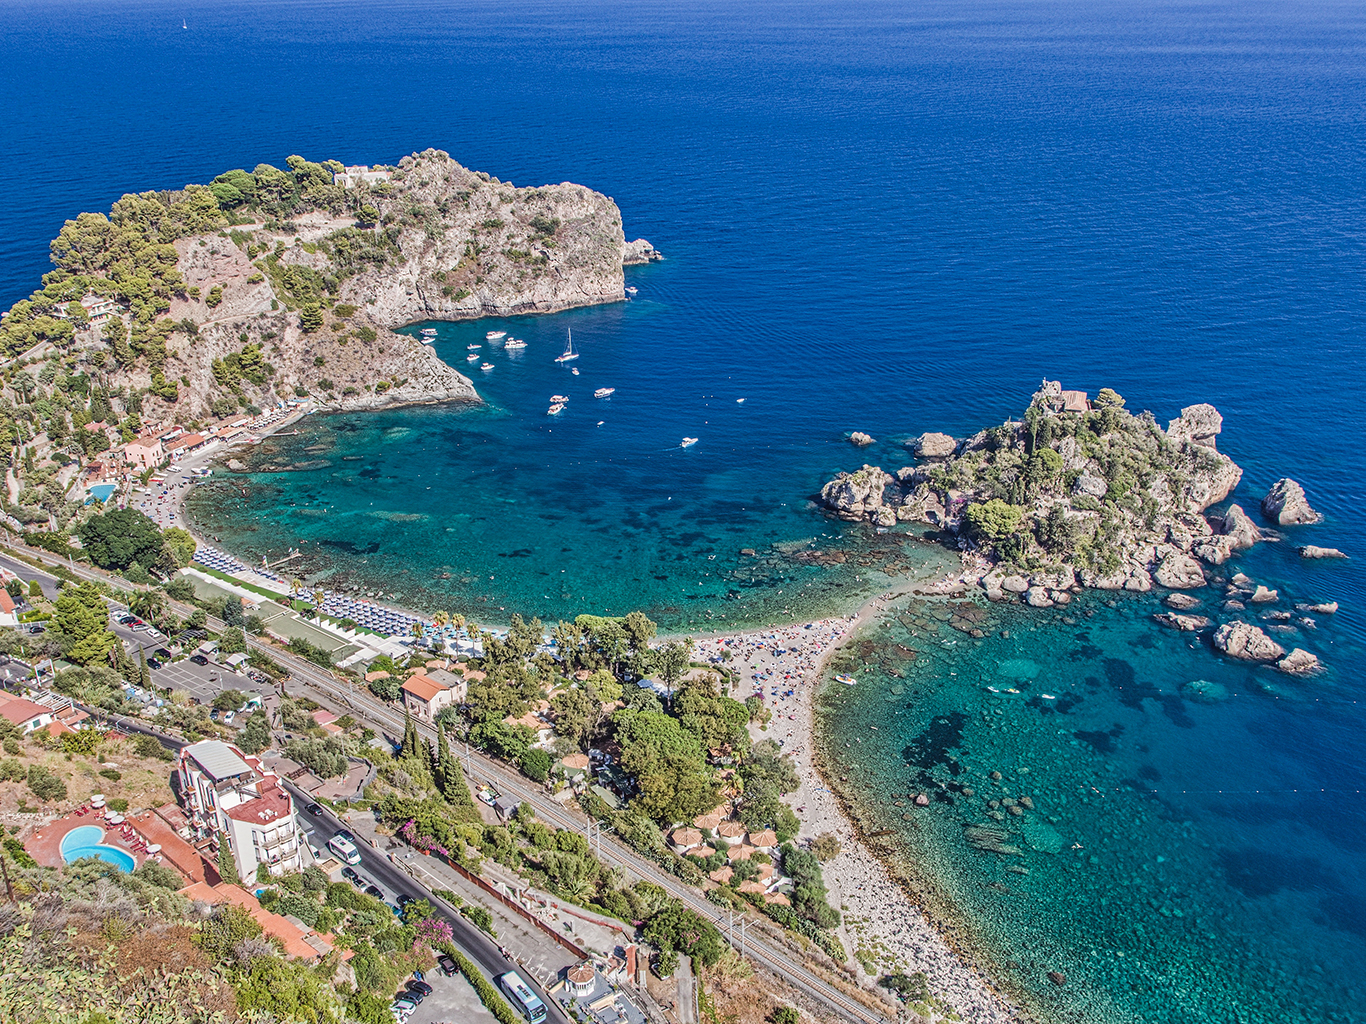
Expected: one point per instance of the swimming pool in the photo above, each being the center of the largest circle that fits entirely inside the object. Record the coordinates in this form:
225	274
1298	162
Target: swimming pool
102	491
84	841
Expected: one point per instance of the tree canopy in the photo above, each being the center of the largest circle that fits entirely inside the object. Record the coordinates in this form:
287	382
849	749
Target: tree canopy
123	536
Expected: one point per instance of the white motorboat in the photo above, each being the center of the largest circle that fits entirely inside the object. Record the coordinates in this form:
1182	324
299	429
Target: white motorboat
514	343
473	347
574	370
569	353
630	290
688	442
472	359
603	392
739	401
486	367
428	335
555	409
495	335
560	399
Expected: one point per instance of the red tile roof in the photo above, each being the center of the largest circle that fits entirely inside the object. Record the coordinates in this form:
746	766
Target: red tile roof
20	709
423	687
6	602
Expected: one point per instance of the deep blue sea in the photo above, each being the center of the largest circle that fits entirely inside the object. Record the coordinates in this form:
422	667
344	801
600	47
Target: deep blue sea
889	217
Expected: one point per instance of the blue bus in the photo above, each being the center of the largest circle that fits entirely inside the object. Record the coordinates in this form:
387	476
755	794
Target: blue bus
522	997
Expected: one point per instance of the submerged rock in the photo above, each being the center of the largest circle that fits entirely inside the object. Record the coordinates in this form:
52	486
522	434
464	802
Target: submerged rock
1246	642
1202	691
1264	595
1286	504
1186	623
1181	602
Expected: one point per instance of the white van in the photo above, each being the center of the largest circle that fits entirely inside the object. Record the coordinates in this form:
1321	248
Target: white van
344	849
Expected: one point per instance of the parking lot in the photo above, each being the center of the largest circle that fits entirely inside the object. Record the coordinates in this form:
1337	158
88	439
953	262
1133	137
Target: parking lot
452	999
203	682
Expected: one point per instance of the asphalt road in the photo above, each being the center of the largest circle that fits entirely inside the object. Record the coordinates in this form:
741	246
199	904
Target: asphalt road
376	867
308	677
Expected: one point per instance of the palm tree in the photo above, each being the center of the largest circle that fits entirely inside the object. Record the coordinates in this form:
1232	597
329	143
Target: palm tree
440	619
295	585
319	597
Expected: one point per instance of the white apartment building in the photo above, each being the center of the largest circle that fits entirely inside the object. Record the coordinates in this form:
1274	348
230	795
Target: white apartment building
231	793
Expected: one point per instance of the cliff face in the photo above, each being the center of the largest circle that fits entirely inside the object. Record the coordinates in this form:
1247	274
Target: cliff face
1096	497
300	295
474	246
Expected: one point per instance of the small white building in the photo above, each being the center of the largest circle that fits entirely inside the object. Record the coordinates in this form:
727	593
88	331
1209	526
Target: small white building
360	174
233	794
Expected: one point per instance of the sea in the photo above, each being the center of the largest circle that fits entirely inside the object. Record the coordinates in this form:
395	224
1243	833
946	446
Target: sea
890	217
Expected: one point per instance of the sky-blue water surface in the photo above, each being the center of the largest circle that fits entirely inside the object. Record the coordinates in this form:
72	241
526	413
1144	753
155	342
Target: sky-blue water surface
889	217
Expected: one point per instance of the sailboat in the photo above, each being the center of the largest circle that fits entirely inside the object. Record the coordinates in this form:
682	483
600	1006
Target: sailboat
569	354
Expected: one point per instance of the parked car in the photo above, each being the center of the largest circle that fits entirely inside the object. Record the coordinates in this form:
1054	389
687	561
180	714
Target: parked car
353	876
199	659
447	964
36	630
420	986
125	620
403	1008
375	891
415	995
403	899
314	810
155	633
227	719
155	663
164	654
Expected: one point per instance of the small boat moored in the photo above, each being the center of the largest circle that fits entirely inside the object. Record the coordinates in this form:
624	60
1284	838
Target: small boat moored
495	335
486	367
514	343
474	346
428	335
472	359
555	409
631	290
561	399
603	392
569	354
847	680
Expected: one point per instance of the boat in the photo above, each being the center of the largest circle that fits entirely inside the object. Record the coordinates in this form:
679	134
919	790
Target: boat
631	290
559	398
569	353
601	422
495	335
486	367
472	359
555	409
603	392
847	680
514	343
473	347
739	401
428	332
688	442
574	371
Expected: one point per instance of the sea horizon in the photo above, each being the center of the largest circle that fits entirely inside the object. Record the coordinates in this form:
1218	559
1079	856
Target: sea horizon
879	218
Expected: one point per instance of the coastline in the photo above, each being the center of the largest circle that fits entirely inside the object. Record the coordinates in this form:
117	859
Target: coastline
883	908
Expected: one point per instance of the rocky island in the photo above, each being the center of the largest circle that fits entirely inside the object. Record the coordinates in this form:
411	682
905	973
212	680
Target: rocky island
1086	494
277	284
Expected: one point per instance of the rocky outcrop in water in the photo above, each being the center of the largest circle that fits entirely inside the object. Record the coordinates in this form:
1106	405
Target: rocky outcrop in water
1246	642
860	440
1310	551
1286	504
1093	494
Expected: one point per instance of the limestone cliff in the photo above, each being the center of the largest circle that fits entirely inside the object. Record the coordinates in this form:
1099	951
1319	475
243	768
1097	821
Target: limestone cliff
278	284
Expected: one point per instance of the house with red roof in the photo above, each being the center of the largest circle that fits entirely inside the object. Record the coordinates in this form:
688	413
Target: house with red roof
9	616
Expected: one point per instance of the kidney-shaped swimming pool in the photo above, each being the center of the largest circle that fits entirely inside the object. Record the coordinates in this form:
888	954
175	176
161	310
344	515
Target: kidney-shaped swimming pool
84	841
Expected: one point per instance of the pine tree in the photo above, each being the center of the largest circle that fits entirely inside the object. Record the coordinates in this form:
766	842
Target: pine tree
440	765
411	745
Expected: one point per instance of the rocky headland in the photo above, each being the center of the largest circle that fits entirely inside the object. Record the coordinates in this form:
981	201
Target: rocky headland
285	283
1085	494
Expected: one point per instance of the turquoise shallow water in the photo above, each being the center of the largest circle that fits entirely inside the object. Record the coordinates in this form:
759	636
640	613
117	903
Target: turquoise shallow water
879	216
1193	851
